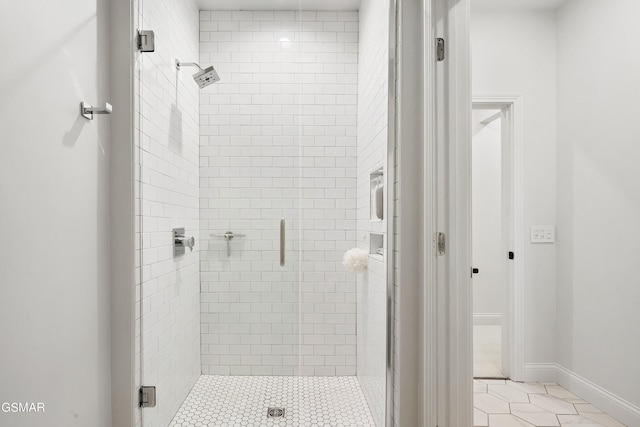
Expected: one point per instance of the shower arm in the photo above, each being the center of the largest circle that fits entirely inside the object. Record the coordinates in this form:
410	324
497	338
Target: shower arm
187	64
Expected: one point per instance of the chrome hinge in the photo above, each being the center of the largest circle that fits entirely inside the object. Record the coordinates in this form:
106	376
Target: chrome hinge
439	49
441	244
146	41
147	397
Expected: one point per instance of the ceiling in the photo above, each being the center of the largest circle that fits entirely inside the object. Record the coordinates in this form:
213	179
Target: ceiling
278	4
516	4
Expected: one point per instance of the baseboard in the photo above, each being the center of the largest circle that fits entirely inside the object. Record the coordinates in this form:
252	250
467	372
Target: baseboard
623	411
493	319
599	397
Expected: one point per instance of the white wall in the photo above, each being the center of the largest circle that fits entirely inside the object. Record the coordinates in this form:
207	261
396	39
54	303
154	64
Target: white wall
168	150
408	184
54	193
373	90
489	286
278	139
599	194
514	53
122	233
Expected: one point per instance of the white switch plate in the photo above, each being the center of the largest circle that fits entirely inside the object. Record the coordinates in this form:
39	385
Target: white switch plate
543	234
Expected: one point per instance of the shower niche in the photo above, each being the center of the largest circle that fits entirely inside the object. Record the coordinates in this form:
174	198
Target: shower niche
376	200
376	244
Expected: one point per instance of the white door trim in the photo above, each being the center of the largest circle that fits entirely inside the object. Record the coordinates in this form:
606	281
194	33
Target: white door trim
513	163
429	297
458	208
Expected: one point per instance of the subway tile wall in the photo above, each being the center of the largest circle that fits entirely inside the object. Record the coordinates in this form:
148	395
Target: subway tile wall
373	99
167	197
278	140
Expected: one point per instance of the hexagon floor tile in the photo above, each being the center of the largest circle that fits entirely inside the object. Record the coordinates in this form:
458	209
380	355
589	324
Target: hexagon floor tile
239	401
504	403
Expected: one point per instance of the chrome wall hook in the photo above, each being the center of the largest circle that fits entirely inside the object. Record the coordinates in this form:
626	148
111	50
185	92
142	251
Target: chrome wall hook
87	111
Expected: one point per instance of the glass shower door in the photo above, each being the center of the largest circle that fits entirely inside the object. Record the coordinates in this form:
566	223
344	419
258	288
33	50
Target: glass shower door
260	318
168	191
220	164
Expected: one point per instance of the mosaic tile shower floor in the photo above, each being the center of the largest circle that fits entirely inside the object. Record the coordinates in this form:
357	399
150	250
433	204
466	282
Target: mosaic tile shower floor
238	401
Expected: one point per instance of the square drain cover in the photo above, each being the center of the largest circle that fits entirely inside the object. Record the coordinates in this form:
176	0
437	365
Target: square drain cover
275	412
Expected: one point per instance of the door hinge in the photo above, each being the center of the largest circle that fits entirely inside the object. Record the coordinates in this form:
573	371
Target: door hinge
441	244
147	397
146	41
439	49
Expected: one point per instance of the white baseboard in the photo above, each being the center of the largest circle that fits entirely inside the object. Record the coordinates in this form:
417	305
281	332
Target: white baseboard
487	319
603	399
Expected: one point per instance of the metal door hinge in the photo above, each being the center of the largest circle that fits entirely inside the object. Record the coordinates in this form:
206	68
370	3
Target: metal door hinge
439	49
441	244
146	41
147	397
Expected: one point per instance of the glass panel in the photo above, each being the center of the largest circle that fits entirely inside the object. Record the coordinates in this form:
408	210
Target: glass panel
169	155
276	170
250	148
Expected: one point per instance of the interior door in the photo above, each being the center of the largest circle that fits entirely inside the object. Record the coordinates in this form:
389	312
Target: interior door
489	286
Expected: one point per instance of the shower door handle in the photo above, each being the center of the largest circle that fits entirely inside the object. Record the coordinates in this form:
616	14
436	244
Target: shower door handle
282	236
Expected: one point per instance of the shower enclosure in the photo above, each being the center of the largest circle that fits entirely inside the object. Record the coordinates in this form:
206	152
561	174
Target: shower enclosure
275	171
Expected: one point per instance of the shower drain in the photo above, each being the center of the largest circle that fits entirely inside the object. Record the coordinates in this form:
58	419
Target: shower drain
275	412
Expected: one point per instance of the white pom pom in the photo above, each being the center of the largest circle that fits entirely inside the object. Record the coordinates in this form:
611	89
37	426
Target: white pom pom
355	260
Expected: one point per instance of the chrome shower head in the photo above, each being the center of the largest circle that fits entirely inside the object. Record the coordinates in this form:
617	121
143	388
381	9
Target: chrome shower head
204	77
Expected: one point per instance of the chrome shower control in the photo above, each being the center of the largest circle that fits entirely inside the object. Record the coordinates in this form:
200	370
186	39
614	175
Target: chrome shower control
184	241
180	242
228	236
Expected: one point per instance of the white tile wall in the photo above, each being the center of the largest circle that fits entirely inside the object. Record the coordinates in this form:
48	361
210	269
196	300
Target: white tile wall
278	139
167	145
373	92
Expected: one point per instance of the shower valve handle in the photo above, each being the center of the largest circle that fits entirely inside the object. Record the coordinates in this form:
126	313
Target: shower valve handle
189	242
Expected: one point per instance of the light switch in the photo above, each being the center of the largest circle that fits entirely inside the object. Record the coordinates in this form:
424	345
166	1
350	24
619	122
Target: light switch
543	234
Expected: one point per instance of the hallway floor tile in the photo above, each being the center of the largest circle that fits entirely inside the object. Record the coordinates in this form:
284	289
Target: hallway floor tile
504	403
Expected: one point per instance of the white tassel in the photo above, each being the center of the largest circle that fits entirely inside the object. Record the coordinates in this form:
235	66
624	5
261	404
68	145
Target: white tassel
355	260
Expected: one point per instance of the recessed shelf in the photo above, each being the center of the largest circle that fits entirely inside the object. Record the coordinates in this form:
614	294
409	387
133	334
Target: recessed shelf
376	244
376	200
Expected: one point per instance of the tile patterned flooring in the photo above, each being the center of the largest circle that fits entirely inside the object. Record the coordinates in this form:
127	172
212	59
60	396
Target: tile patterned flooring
504	403
235	401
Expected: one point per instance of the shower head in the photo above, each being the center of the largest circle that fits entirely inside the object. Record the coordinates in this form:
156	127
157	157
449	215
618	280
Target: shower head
204	77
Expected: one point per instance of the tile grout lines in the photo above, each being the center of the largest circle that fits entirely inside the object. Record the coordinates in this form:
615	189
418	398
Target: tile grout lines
555	406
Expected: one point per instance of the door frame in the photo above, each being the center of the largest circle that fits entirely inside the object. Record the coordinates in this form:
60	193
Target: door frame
458	364
512	150
453	201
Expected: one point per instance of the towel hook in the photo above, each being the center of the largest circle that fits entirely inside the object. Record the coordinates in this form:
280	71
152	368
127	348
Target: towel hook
87	111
